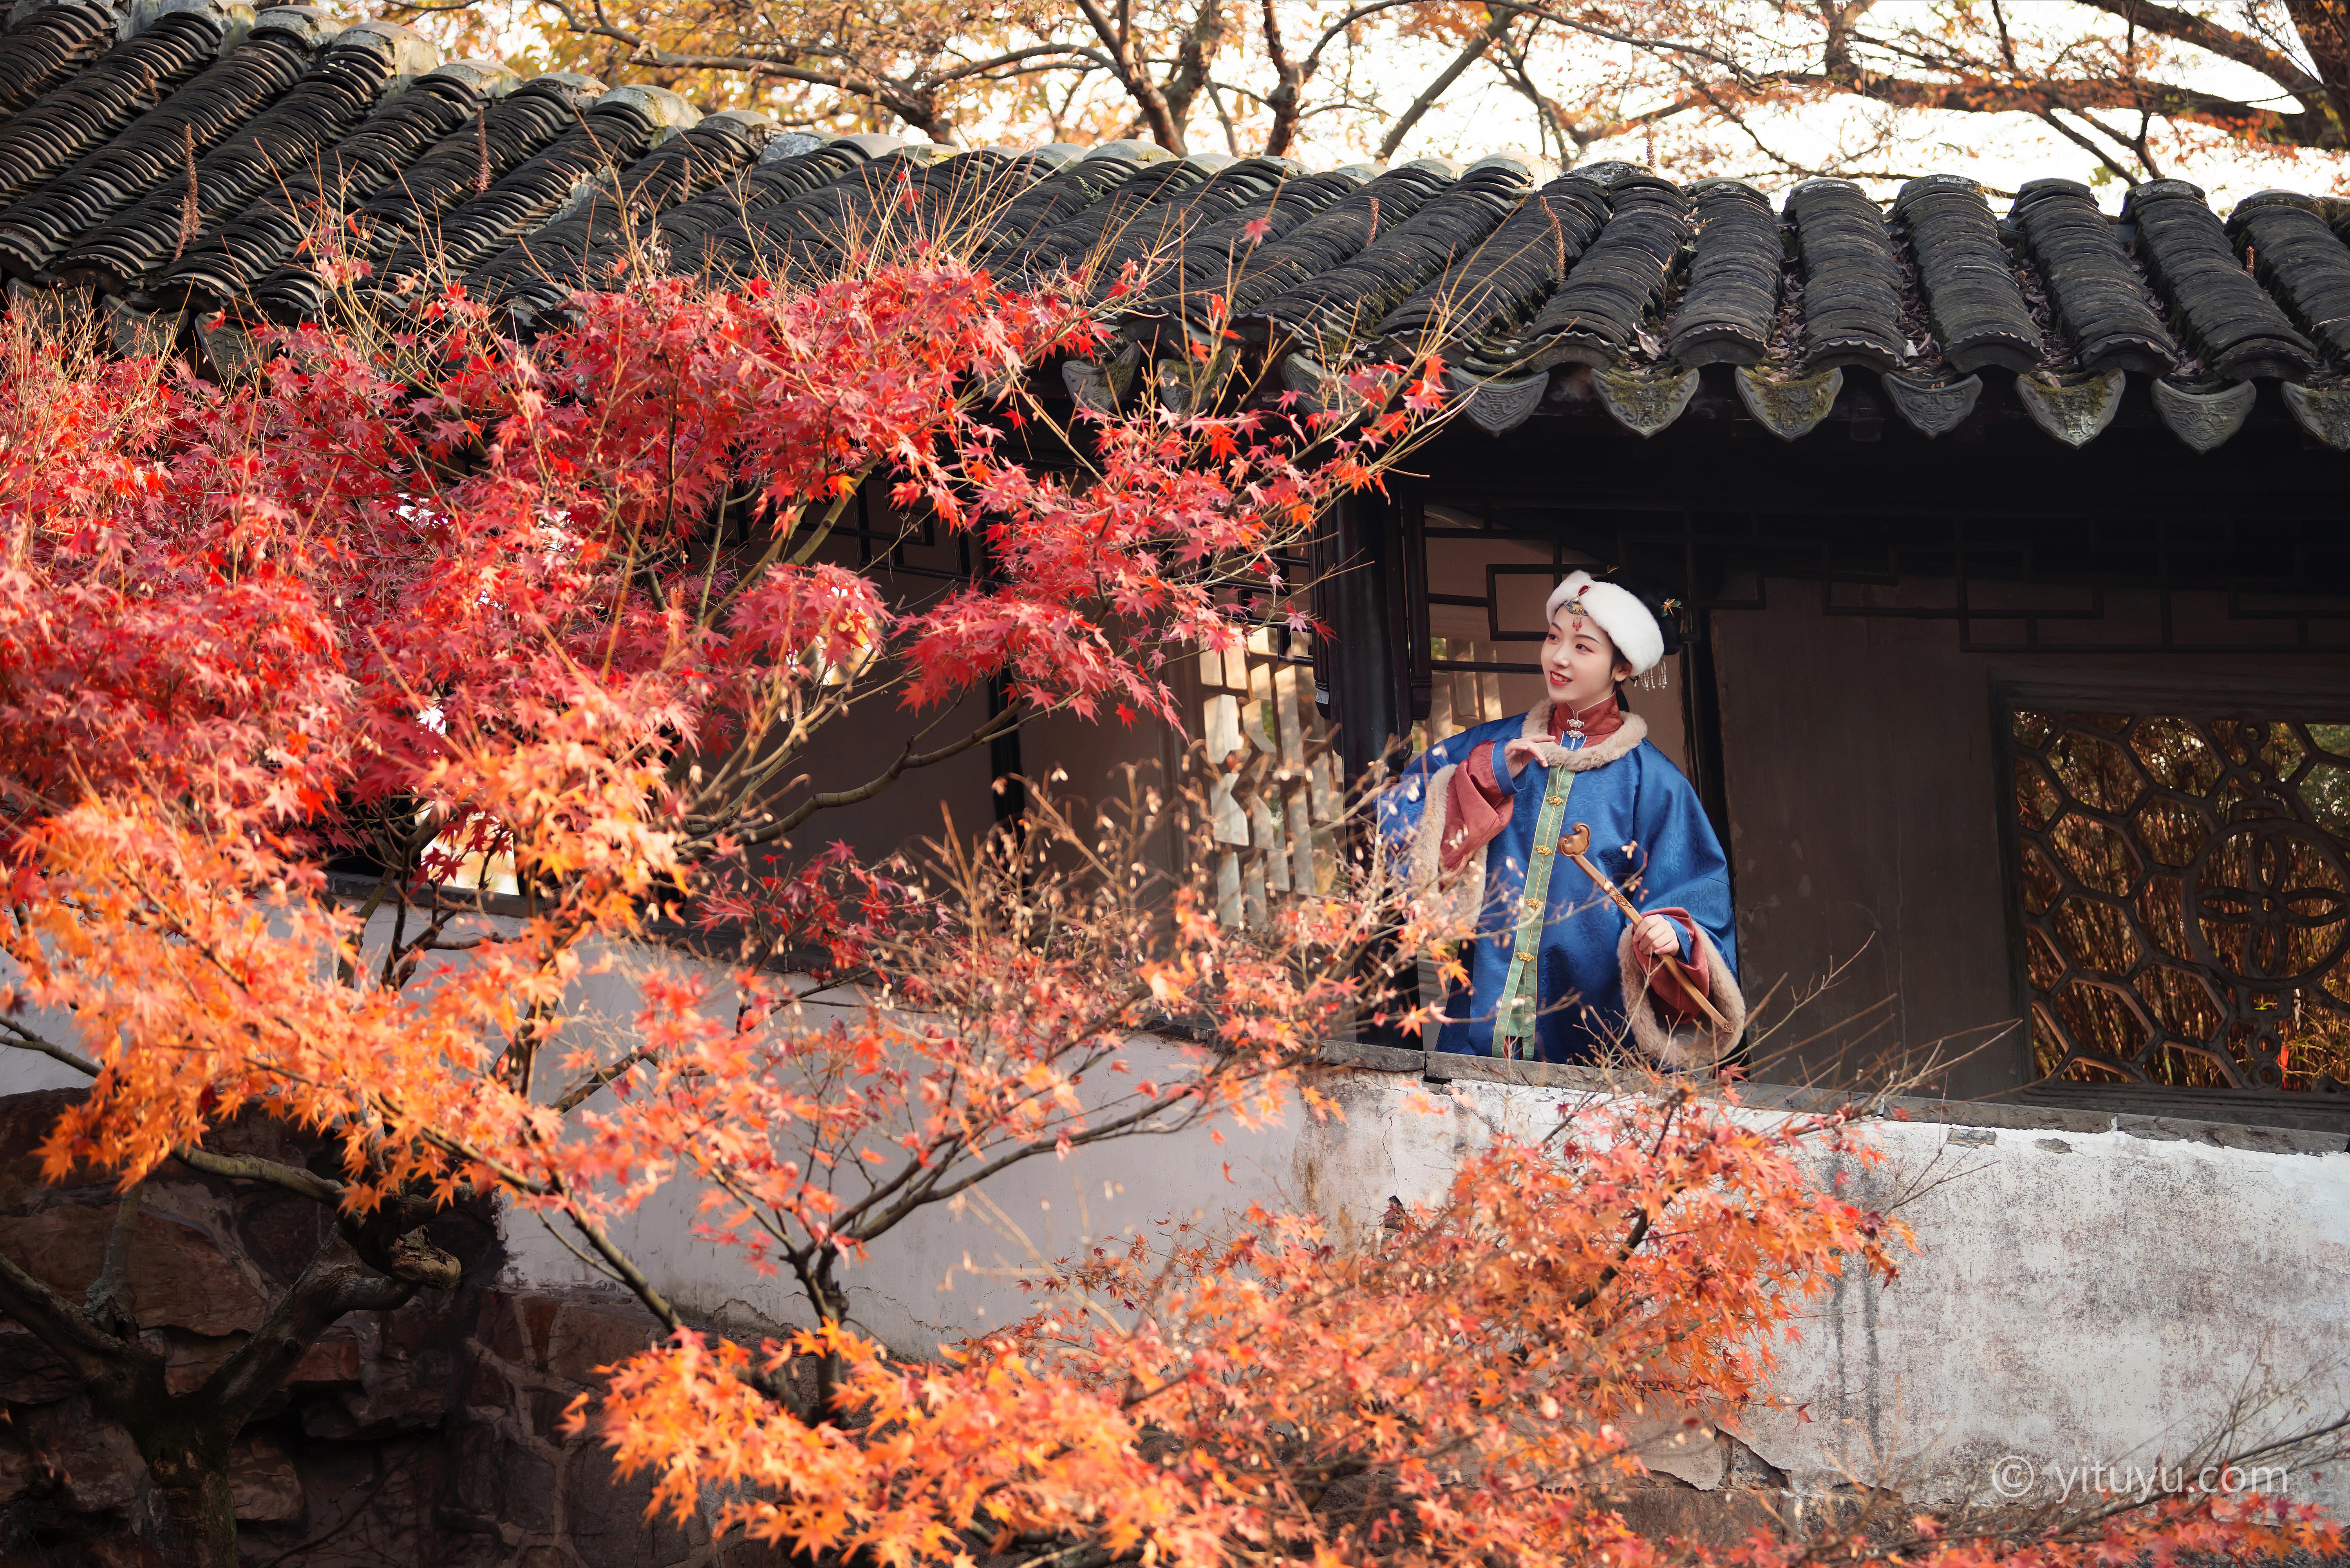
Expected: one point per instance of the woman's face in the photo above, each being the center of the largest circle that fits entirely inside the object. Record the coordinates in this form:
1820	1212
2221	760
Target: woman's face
1580	666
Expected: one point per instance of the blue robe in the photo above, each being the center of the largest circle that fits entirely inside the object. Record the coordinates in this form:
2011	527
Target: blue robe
1648	833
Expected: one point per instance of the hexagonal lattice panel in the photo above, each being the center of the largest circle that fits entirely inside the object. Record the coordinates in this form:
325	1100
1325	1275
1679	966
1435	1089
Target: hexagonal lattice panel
2184	891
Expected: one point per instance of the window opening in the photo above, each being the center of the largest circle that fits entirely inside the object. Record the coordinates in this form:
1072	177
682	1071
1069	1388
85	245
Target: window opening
2183	893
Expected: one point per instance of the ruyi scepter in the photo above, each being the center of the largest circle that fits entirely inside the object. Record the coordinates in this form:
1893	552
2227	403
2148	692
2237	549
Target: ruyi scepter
1577	840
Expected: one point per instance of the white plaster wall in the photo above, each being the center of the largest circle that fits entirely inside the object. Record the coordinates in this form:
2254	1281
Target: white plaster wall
953	1270
2081	1298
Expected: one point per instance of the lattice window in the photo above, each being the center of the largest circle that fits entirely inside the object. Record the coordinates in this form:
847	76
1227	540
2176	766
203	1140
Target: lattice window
2185	897
1276	806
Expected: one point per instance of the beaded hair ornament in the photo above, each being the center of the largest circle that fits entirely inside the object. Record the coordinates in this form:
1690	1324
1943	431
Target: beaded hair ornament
1652	679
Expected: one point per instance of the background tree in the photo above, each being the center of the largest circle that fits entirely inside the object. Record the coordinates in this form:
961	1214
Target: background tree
1696	86
572	608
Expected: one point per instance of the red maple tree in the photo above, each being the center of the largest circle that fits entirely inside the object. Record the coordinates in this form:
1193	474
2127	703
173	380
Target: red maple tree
568	607
446	599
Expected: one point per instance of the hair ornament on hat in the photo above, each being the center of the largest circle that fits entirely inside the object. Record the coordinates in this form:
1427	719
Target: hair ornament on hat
1629	624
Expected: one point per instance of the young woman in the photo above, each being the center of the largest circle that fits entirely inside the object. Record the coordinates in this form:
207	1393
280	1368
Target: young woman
1557	973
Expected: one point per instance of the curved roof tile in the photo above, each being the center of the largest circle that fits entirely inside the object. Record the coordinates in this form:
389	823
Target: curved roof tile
1725	313
2284	239
44	46
2101	304
526	194
1974	306
1852	278
1596	314
2234	327
1336	306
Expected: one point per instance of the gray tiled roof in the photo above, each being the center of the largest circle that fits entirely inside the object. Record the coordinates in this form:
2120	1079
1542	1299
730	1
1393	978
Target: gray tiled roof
1519	274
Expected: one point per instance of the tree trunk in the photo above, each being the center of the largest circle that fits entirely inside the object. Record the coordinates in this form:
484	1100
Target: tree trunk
1286	100
191	1475
2323	28
831	1303
185	1437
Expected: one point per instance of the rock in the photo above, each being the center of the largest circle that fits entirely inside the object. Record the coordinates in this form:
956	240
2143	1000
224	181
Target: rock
30	1372
1717	1519
487	1389
24	1121
434	1324
604	1516
586	1338
179	1278
518	1327
196	1357
280	1231
95	1464
334	1359
17	1473
369	1505
262	1485
396	1396
511	1481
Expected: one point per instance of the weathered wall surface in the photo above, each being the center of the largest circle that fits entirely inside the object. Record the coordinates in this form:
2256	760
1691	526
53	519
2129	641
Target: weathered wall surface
427	1435
2090	1290
950	1272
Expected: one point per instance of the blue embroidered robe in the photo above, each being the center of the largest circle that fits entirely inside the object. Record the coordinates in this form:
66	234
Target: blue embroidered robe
1647	832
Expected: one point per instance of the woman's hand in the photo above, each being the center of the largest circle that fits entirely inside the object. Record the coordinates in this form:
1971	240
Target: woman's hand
1659	937
1517	754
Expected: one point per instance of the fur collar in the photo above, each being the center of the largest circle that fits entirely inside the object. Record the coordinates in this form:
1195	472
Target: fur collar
1596	755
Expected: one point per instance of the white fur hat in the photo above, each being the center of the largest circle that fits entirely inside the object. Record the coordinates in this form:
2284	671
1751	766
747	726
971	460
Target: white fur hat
1620	614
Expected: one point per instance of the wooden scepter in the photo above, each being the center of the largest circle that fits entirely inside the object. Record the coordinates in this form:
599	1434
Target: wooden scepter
1577	840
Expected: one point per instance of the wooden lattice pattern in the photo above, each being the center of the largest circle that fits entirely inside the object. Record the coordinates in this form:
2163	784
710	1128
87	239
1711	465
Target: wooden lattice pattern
1463	698
1276	802
2184	890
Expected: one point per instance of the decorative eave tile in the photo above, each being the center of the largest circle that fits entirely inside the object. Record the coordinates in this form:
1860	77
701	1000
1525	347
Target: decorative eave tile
1102	386
2204	420
1932	408
2323	412
2075	412
1497	404
1789	410
1645	401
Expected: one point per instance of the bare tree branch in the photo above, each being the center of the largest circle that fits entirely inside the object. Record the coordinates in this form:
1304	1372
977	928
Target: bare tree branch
1496	22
